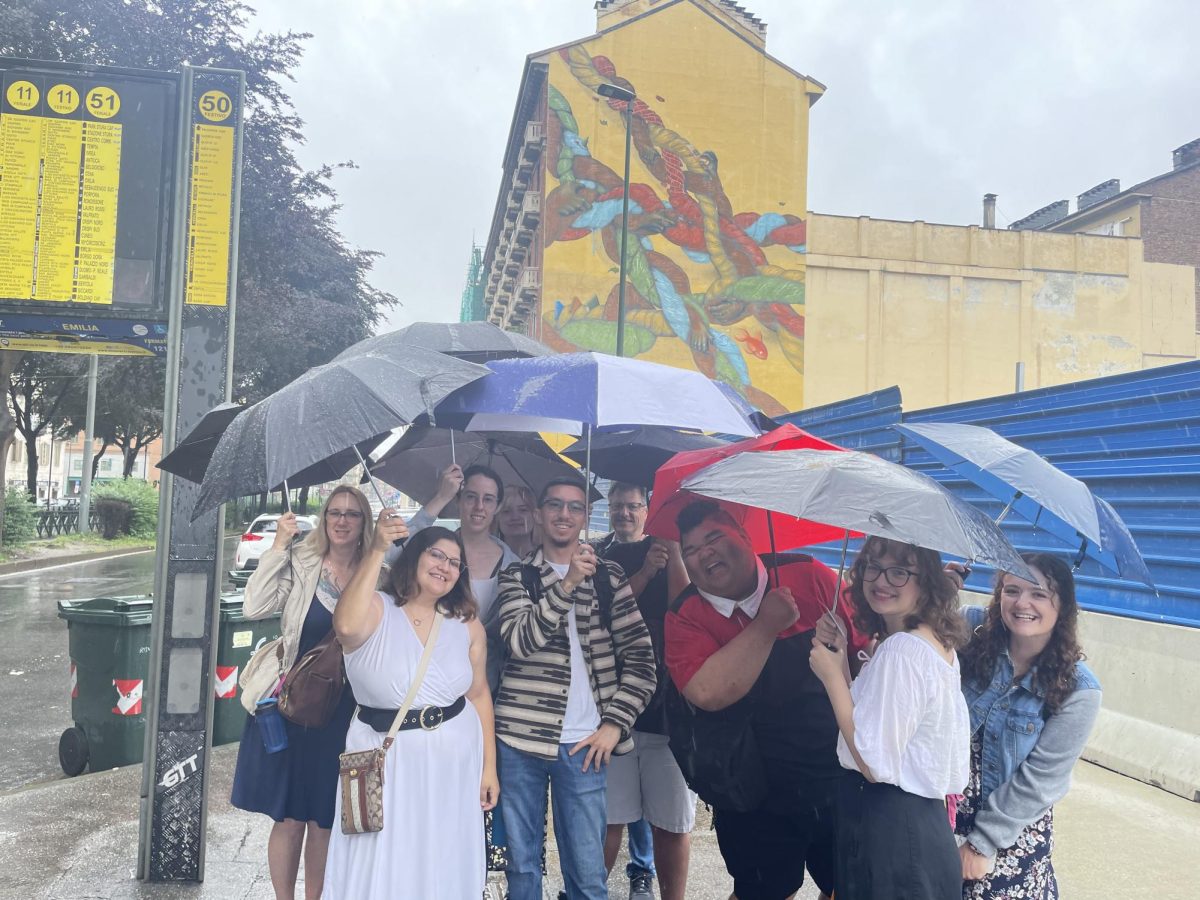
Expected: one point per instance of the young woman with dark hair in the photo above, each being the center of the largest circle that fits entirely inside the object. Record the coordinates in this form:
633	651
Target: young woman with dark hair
440	774
1033	703
904	727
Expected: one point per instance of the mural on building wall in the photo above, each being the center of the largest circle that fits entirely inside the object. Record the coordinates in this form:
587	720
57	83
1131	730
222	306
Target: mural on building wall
734	306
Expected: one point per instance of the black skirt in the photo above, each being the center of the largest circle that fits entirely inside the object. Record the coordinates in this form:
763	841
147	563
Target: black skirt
893	845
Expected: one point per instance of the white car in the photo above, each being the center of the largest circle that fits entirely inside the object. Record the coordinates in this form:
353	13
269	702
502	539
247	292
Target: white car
260	535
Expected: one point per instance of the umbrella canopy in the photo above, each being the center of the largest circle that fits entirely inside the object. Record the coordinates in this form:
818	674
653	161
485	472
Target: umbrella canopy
191	456
476	342
326	410
414	462
669	497
855	491
634	456
574	392
1042	493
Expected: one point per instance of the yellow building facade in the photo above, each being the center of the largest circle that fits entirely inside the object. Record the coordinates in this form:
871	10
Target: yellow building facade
728	274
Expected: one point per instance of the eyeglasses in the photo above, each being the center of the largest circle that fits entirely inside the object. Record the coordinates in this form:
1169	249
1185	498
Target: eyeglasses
439	556
693	551
627	507
574	507
896	576
352	514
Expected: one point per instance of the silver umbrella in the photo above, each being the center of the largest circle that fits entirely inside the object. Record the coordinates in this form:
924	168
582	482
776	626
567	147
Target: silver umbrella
860	492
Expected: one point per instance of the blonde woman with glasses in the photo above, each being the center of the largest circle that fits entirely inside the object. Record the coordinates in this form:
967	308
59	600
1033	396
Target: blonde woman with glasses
297	786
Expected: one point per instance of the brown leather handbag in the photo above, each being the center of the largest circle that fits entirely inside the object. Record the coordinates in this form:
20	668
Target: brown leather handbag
313	686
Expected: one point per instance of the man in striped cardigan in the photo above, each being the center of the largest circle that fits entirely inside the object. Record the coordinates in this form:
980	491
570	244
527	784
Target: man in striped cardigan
580	670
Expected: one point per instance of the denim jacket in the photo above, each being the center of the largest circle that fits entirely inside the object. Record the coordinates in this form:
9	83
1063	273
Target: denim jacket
1010	720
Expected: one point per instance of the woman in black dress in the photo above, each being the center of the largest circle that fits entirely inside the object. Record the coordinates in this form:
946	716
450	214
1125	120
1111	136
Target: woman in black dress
297	786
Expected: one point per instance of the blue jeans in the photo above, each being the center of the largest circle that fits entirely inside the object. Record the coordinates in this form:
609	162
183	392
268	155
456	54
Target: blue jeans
641	849
580	819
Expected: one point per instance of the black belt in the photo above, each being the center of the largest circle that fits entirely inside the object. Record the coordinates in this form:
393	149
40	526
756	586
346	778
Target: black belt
427	718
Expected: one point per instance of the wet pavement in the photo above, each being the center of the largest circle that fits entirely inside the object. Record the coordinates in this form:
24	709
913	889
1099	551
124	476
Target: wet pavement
35	701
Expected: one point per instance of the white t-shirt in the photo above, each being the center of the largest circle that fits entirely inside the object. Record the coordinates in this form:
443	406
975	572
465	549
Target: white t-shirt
911	724
582	717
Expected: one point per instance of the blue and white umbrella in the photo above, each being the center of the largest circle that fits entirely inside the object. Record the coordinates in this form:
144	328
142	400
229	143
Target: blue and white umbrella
1039	491
576	393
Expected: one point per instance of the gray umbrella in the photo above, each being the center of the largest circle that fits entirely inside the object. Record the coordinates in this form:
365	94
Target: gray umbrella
325	411
413	463
477	342
860	492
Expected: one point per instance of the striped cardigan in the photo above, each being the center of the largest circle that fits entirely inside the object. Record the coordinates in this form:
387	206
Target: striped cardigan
532	699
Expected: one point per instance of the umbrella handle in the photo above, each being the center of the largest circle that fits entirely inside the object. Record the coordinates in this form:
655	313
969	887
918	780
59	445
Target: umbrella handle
774	553
370	477
453	455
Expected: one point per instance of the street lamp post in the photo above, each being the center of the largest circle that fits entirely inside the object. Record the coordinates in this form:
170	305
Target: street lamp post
613	92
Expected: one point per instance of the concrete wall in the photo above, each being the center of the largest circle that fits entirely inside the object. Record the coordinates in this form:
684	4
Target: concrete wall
1149	723
946	312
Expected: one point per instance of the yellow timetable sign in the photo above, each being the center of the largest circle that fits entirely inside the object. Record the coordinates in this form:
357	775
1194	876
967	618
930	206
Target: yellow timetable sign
58	202
210	215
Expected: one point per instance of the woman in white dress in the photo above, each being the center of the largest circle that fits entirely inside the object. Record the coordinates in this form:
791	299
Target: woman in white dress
440	774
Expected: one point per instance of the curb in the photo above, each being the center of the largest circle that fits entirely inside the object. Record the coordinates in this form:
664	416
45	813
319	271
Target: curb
46	562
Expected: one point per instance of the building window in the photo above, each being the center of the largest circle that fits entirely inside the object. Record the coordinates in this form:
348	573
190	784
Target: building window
106	464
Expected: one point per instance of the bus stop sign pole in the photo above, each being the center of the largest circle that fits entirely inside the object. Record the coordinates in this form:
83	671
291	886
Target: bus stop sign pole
187	584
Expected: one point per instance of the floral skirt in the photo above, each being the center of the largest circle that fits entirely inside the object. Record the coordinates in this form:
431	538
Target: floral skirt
1023	871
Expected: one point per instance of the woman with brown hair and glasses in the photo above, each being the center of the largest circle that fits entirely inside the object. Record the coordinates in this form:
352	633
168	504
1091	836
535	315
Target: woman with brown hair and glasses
1033	703
296	786
904	727
440	774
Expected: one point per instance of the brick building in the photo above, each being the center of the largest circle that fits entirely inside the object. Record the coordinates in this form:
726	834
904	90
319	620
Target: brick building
1163	211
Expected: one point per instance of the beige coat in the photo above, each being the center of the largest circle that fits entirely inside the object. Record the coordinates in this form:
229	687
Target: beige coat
284	580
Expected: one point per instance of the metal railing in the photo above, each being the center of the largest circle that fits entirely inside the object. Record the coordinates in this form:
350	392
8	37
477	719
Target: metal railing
52	522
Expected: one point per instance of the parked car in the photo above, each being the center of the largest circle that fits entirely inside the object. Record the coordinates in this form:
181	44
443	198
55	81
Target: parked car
261	534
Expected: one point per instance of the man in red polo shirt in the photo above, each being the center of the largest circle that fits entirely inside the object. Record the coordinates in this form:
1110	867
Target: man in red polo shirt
759	735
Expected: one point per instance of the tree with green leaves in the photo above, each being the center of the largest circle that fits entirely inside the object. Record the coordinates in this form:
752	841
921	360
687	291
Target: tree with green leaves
39	386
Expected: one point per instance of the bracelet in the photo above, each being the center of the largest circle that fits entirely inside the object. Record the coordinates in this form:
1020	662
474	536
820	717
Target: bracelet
974	849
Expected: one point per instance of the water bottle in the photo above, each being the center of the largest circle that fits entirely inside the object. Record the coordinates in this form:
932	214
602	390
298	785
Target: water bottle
270	725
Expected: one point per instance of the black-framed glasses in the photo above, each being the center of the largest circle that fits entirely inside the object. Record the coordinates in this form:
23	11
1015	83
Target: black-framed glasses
352	514
574	507
897	576
452	561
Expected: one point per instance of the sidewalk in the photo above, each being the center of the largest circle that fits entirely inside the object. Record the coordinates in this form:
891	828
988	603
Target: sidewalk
77	838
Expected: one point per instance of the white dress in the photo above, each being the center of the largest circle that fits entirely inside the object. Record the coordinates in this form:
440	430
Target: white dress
431	846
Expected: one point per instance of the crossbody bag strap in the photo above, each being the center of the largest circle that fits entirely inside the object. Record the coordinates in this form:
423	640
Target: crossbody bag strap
416	682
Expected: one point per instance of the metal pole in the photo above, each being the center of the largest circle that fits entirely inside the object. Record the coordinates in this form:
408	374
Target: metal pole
624	231
89	436
1020	378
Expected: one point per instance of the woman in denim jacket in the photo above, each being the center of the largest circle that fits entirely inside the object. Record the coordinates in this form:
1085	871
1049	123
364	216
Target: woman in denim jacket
1033	703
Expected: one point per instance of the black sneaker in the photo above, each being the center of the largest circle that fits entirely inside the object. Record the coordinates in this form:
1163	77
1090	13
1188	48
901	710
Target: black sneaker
641	886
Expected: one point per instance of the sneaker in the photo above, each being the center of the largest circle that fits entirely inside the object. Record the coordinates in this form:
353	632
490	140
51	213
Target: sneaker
641	886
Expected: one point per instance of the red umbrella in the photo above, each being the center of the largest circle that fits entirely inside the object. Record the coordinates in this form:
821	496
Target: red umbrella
668	499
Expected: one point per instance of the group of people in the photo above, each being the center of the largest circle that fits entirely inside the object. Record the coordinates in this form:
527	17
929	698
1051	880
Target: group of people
871	735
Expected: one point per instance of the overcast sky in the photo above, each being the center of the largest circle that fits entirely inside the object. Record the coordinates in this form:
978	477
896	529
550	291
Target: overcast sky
930	104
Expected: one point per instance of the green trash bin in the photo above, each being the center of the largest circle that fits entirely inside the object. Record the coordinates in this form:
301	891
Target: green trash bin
238	639
108	639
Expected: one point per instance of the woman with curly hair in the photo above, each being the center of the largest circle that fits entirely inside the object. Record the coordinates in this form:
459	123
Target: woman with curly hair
904	727
1033	703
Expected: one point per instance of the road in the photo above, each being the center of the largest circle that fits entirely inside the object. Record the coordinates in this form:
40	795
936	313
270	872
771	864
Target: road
35	703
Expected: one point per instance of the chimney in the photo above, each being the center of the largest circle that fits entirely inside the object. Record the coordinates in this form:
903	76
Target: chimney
989	210
1186	155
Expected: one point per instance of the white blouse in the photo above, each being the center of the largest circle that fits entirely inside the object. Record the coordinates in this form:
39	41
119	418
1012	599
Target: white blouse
911	724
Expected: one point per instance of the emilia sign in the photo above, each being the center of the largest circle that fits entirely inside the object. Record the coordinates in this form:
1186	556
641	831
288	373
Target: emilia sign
89	176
